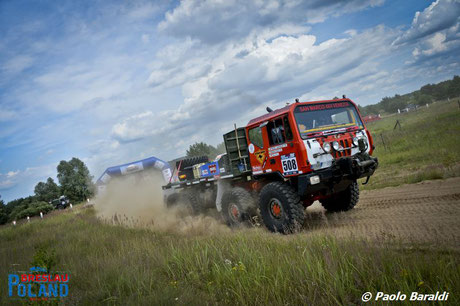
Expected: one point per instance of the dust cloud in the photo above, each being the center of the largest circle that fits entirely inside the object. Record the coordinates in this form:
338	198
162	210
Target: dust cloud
137	201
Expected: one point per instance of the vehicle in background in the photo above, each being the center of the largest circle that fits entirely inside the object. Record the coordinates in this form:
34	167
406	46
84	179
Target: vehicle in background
62	203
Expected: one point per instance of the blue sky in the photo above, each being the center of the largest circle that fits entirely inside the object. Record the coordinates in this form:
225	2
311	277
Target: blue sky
114	81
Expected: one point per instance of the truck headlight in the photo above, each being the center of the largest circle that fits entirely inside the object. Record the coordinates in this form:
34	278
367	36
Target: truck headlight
355	141
335	145
327	147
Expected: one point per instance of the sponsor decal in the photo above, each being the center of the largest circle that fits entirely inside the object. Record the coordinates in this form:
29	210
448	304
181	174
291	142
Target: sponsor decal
132	168
158	164
260	156
274	151
213	169
316	107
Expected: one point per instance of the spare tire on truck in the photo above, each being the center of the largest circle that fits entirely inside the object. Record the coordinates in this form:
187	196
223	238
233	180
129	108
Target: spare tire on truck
189	162
185	166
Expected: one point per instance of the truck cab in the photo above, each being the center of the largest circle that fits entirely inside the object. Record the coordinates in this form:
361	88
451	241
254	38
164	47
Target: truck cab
321	147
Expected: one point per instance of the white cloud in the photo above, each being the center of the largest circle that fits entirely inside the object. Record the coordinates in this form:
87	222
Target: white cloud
440	15
133	128
213	21
6	184
17	64
14	178
12	174
434	32
268	66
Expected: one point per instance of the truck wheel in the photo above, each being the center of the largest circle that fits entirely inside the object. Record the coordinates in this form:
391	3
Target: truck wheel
344	200
172	200
237	205
280	208
195	202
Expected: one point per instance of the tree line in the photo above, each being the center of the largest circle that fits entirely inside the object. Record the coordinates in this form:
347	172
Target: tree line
425	95
203	149
75	182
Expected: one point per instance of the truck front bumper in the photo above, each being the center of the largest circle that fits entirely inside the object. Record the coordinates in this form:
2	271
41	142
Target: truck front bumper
337	177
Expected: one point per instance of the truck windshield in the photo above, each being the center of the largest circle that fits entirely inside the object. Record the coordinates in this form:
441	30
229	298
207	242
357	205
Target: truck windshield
322	117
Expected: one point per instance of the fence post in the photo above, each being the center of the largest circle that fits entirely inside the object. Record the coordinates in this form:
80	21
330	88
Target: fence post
383	141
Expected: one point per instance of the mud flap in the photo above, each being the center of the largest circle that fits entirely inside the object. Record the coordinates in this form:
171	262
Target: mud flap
222	186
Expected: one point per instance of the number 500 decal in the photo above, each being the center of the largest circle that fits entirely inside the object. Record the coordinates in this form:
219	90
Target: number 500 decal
289	163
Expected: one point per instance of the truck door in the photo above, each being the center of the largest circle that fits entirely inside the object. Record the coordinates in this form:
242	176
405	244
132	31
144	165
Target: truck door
257	149
282	155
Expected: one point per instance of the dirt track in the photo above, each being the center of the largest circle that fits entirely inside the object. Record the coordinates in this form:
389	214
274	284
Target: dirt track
427	212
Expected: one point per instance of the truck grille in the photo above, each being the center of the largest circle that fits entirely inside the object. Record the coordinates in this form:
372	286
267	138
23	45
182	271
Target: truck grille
344	143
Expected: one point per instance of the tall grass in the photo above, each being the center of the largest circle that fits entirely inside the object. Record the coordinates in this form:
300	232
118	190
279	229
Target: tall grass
119	265
426	146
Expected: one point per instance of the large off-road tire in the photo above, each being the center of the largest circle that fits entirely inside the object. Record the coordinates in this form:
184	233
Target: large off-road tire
188	162
172	200
344	200
281	208
195	202
237	207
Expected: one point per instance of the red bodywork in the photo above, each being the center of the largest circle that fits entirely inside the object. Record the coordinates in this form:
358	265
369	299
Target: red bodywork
268	159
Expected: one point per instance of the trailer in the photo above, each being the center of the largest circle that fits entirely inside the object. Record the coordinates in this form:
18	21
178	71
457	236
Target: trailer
279	164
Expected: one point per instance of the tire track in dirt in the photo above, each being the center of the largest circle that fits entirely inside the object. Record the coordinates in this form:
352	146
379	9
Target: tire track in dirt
427	213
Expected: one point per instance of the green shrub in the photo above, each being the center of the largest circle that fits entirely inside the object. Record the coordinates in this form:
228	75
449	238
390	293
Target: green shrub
32	209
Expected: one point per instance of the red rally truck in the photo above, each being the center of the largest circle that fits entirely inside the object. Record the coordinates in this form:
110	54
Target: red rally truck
280	163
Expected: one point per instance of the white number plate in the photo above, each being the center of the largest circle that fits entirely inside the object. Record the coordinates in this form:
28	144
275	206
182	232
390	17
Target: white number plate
289	163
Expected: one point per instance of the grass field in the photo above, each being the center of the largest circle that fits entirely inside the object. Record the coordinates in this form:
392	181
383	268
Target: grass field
207	263
425	147
118	265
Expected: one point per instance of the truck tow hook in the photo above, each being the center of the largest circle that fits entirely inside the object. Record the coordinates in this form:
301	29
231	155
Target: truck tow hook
367	180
